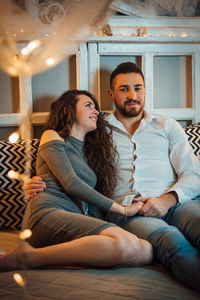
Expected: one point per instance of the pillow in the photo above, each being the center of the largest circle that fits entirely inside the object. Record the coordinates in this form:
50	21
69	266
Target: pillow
12	204
13	157
193	135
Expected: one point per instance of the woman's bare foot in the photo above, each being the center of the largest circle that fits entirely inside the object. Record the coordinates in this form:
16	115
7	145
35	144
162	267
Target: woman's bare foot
18	258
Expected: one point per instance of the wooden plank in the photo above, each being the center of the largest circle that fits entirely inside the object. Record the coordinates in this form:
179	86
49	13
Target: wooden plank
196	67
148	74
82	67
7	120
94	71
139	49
188	85
155	22
176	113
39	117
25	96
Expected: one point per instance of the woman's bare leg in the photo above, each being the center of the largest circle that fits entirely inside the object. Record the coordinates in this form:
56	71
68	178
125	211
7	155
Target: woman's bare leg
113	246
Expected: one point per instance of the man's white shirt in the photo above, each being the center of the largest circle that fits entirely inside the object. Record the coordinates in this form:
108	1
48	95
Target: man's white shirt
156	159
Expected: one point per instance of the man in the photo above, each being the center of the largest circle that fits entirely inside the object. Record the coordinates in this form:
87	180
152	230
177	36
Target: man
156	162
158	167
154	151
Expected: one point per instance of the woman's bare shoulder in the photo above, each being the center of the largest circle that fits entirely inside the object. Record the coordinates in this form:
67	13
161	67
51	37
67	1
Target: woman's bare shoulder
50	135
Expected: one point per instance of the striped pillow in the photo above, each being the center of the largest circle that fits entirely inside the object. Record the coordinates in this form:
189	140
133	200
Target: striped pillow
193	135
12	204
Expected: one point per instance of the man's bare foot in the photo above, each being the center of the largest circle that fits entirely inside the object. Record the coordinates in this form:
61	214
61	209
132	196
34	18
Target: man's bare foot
17	258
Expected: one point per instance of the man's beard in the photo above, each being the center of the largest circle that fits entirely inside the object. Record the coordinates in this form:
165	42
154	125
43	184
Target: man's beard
132	112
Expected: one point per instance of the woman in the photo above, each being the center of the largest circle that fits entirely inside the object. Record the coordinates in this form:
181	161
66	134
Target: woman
74	151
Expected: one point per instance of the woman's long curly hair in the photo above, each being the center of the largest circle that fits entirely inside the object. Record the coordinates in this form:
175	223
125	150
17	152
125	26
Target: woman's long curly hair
99	148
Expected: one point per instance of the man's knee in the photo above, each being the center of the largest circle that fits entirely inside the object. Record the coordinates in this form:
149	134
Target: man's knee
135	251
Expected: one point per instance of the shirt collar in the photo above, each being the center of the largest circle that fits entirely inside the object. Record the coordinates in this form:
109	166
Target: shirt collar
116	123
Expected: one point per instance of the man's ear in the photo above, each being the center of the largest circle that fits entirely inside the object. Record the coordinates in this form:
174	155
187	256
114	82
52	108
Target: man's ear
111	94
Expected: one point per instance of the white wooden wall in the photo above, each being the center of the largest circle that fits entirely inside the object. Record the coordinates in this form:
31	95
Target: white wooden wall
147	51
161	38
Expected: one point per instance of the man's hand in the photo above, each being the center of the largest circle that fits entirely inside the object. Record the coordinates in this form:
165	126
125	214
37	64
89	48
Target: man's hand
34	186
157	207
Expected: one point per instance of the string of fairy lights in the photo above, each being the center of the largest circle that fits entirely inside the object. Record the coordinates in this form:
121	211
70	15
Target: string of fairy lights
39	54
30	44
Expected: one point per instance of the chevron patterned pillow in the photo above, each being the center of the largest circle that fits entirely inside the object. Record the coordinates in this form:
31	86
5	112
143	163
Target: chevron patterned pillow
13	157
12	204
193	135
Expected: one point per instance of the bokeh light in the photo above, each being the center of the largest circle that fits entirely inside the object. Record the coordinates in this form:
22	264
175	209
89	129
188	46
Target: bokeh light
19	279
13	137
13	175
25	234
35	38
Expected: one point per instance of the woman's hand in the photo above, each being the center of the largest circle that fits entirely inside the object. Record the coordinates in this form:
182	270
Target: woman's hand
133	209
126	211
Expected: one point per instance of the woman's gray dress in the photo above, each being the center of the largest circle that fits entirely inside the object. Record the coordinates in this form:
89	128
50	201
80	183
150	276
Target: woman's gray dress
60	213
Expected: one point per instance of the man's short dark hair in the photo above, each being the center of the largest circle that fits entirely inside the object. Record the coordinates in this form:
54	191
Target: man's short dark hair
124	68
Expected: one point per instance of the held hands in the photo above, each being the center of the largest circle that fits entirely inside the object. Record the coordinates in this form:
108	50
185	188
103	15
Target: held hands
133	209
156	207
34	186
126	211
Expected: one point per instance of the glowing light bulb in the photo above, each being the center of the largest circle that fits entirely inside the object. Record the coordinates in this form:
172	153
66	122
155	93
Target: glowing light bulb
12	71
13	137
50	61
32	45
19	279
25	51
25	234
13	175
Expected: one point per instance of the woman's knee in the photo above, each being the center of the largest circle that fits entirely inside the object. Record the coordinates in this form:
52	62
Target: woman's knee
128	249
